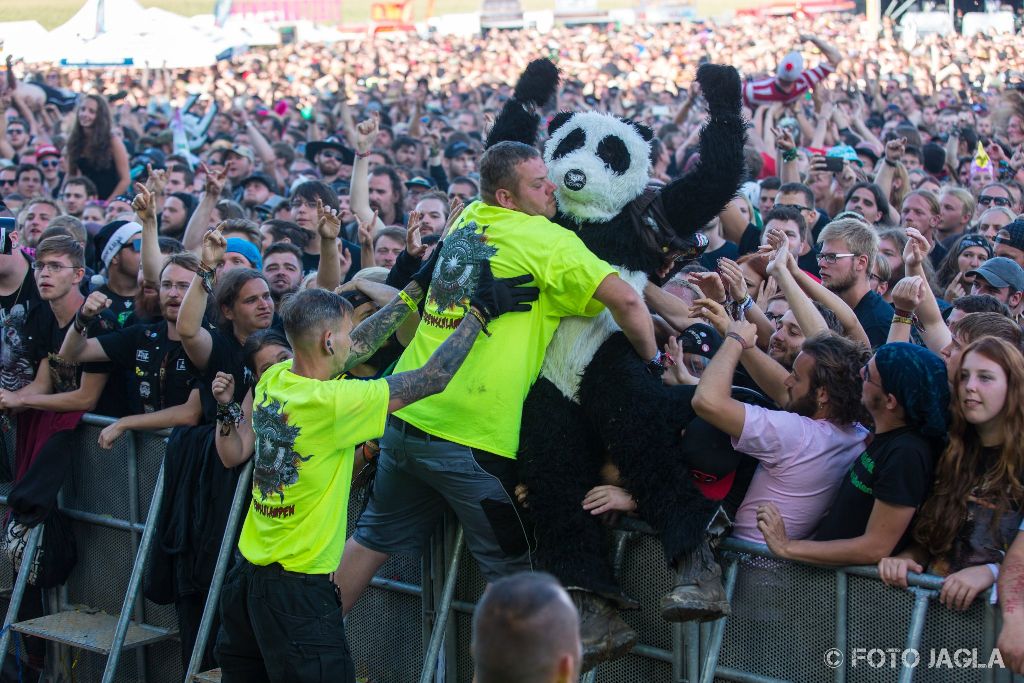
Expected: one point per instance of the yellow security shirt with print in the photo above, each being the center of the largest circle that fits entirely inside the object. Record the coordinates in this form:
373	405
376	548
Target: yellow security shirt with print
482	405
306	432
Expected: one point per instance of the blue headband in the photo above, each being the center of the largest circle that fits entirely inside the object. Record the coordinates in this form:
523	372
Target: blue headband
237	245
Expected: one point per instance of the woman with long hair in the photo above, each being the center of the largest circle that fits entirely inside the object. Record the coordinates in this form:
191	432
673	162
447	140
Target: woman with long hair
94	151
974	511
965	254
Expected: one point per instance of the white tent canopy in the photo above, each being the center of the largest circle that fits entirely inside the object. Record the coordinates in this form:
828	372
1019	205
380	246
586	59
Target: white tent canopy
113	31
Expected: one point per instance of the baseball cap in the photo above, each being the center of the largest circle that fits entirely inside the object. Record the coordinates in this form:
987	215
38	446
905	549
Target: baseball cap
242	151
844	152
47	151
701	339
790	67
419	181
1001	272
1012	234
457	149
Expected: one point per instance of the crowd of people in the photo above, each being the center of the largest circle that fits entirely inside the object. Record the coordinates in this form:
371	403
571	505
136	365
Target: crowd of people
209	249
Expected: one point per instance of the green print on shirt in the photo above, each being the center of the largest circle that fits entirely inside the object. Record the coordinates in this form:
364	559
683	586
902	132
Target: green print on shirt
869	465
458	267
277	463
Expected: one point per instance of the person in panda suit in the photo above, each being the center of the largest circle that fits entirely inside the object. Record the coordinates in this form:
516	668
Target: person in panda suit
596	401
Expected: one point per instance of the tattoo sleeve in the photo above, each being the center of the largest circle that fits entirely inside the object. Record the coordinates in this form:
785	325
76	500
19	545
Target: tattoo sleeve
376	329
433	377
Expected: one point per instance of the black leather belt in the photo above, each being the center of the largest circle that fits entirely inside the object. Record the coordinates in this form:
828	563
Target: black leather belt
411	430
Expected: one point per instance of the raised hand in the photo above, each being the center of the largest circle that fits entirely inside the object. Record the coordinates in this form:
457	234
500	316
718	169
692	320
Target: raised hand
366	133
215	181
917	247
710	285
214	246
732	276
894	150
156	179
413	243
908	293
713	312
223	388
455	207
328	222
745	329
96	303
144	205
783	139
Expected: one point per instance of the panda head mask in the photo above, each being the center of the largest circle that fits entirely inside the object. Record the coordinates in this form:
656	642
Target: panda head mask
599	163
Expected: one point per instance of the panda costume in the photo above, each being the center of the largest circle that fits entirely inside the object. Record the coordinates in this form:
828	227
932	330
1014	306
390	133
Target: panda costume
596	400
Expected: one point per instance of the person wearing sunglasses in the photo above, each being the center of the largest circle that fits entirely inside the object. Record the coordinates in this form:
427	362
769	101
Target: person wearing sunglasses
122	259
8	180
48	159
1010	241
992	195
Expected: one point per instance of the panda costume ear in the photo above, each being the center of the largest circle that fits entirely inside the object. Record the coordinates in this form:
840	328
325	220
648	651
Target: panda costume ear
645	131
558	121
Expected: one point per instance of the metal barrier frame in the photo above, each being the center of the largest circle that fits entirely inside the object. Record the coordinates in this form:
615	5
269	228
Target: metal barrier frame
695	648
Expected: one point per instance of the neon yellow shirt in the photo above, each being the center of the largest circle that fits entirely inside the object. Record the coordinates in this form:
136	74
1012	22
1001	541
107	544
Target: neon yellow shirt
306	432
482	405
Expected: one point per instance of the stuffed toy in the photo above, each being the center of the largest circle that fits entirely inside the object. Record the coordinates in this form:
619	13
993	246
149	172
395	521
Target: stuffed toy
596	401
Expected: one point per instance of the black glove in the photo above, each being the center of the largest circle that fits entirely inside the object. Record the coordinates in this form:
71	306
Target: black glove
423	276
497	297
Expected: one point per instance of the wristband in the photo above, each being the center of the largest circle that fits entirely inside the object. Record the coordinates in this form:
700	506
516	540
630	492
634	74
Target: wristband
903	320
229	415
903	314
741	340
480	317
894	164
206	278
404	296
789	155
362	155
81	323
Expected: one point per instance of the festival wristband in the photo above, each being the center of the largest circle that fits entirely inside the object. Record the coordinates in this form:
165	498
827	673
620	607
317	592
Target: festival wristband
480	317
741	340
409	301
903	320
362	155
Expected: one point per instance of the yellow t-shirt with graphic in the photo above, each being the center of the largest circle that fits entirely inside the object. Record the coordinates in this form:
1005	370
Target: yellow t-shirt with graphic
306	432
482	405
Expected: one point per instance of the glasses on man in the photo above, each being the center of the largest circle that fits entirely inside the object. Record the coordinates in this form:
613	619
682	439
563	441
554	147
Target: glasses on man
831	258
51	267
865	375
798	207
15	131
8	181
877	278
137	246
298	203
989	200
50	163
331	154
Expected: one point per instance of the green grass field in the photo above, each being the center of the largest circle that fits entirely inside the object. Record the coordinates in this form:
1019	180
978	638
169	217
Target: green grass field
52	13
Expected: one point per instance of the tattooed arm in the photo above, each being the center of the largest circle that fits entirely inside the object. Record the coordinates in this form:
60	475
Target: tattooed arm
376	329
1011	595
433	377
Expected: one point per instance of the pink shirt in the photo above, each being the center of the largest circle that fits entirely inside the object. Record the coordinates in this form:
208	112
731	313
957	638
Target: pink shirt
802	463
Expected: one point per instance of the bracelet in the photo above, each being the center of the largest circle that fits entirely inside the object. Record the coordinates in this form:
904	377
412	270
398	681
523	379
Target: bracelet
894	164
229	415
480	317
362	155
903	320
789	155
747	303
206	277
903	314
81	323
741	340
404	296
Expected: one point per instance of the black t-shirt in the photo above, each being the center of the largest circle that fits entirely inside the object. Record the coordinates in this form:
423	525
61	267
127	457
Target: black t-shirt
938	253
897	468
710	258
16	368
121	307
158	366
875	316
43	335
311	262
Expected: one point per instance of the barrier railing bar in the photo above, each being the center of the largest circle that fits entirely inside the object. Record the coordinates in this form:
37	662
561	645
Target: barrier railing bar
132	471
988	639
738	676
692	647
93	518
135	580
914	631
18	594
448	663
227	545
652	652
397	586
677	653
441	618
718	630
842	593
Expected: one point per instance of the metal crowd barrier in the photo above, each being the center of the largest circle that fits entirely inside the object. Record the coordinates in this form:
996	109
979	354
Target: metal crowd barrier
788	621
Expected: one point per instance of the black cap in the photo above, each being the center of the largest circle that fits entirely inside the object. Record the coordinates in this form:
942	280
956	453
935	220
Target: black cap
456	149
263	179
348	156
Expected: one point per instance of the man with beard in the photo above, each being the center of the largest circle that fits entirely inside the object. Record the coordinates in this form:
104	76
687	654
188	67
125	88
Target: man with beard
122	258
282	266
257	189
803	450
848	248
332	159
161	393
386	195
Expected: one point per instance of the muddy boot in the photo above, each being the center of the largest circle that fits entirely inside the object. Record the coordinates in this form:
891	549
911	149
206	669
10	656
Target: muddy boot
603	634
699	594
